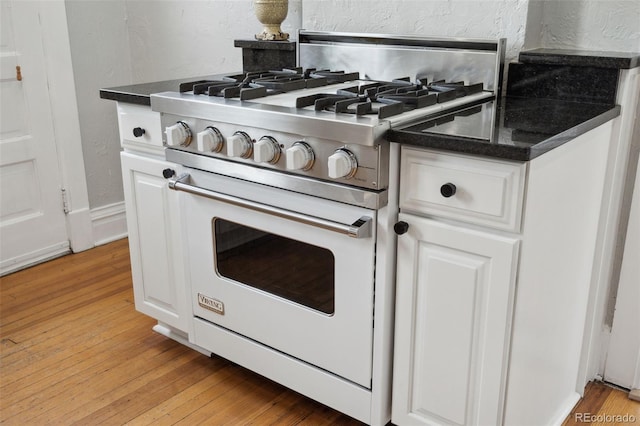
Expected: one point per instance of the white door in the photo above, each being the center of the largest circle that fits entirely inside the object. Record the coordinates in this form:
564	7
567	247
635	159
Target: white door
154	240
454	291
32	220
623	358
279	278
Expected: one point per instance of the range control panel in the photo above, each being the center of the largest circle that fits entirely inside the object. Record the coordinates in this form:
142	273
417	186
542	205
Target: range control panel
340	161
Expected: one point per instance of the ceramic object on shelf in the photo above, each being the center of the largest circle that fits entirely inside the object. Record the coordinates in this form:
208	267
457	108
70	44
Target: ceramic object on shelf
271	13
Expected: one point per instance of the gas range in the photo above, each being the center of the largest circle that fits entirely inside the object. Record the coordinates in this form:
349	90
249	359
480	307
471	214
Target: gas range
323	122
287	203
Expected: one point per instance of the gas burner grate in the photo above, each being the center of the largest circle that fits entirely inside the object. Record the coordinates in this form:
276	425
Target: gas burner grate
388	98
350	101
253	85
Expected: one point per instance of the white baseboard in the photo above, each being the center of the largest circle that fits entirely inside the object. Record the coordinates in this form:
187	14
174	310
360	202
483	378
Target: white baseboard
30	259
565	409
109	223
80	230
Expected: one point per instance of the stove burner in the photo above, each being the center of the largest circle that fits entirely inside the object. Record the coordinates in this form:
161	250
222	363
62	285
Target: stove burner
386	99
254	85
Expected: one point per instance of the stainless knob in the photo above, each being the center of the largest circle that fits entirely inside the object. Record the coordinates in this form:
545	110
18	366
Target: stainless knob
300	156
239	145
210	140
179	134
342	164
266	150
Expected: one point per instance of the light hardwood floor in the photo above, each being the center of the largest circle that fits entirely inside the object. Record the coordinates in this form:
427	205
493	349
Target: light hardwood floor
73	350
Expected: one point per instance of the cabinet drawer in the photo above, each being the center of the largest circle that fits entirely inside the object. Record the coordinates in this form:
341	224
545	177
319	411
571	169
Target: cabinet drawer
146	124
482	191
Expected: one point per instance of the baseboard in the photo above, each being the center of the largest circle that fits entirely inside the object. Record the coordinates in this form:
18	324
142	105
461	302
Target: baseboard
109	223
42	255
80	230
565	409
179	337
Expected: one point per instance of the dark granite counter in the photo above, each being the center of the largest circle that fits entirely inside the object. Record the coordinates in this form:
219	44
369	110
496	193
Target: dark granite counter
259	54
525	128
581	58
140	93
553	96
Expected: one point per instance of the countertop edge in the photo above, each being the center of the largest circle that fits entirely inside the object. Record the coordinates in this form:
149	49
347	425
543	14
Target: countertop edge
573	132
130	98
288	45
506	152
581	58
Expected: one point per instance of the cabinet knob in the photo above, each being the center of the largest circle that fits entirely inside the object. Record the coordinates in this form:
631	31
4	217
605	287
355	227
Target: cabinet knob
401	227
448	190
167	173
138	131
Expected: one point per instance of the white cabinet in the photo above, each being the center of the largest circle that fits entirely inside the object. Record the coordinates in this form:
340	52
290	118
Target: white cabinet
153	220
481	191
154	240
492	291
454	291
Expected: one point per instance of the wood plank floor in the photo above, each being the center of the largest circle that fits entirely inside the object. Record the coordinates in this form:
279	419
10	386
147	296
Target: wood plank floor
73	351
604	405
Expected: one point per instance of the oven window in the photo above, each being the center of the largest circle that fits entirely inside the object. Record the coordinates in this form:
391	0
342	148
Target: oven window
297	271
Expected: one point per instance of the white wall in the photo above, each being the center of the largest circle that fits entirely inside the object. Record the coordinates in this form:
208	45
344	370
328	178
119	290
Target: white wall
590	25
180	39
100	56
438	18
119	42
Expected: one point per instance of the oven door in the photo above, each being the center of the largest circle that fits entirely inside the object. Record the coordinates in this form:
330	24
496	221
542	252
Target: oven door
282	269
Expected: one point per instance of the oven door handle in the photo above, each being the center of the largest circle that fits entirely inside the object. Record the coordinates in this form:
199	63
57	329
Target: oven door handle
361	228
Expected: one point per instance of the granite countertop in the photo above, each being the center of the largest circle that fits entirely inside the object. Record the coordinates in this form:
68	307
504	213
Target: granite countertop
526	128
141	93
581	58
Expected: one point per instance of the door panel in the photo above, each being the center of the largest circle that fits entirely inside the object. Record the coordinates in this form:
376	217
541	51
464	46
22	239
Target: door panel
454	296
154	238
32	220
335	337
622	366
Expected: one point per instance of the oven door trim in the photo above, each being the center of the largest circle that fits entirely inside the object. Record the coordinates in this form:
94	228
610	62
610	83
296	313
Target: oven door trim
340	343
361	228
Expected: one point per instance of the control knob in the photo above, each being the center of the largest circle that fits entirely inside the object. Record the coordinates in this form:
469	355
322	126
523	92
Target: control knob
239	145
210	140
266	150
448	190
342	164
300	156
178	135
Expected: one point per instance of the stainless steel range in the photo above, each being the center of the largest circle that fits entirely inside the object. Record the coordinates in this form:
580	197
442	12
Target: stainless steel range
290	199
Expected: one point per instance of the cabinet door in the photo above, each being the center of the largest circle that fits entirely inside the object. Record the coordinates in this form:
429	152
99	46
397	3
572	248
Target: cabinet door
154	240
453	306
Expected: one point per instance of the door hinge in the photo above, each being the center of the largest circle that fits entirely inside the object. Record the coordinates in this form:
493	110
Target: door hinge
65	201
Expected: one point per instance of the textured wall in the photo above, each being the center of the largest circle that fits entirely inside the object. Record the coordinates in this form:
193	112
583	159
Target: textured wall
118	42
178	39
591	25
449	18
100	57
